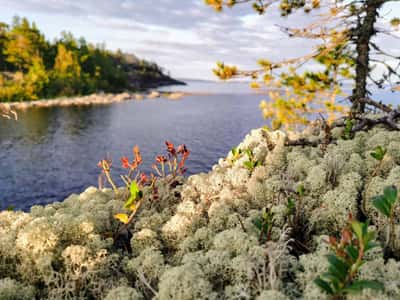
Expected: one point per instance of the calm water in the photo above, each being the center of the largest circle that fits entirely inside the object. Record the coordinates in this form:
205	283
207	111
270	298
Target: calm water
53	152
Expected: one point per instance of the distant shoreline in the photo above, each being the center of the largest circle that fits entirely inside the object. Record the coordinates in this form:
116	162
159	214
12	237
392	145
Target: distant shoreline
93	99
102	99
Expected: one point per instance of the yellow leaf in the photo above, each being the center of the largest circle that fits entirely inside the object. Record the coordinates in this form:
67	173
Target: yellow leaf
122	217
254	85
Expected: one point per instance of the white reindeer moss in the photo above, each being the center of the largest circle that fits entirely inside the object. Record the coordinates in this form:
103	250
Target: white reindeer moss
199	241
186	282
271	294
12	290
123	293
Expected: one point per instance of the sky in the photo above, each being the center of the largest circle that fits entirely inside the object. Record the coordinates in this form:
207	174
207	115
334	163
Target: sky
185	37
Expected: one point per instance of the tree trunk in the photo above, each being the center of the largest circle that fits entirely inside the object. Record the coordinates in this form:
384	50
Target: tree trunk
363	33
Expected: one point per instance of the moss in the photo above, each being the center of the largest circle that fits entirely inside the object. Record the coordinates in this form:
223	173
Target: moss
316	180
12	290
186	282
123	293
143	239
271	294
150	264
234	241
312	265
237	291
342	200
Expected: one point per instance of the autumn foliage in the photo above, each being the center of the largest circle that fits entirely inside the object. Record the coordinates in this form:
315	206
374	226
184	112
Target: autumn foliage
166	167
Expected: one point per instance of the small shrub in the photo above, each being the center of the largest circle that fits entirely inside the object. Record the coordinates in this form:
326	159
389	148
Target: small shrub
347	258
264	224
252	163
135	180
385	204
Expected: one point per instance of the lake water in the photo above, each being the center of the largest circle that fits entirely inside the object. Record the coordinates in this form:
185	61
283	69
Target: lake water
53	152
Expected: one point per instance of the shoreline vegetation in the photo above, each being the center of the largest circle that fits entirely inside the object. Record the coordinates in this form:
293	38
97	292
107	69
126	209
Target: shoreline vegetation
33	68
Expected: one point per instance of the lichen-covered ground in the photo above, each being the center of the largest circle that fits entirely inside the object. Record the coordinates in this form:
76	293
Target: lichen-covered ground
198	240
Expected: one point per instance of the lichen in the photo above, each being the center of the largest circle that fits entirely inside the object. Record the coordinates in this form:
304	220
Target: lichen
12	290
123	293
199	241
185	282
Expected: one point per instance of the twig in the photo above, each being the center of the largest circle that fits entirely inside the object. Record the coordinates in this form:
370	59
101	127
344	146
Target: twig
241	223
376	104
143	279
304	142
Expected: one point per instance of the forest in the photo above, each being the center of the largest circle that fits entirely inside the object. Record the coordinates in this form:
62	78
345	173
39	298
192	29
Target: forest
32	67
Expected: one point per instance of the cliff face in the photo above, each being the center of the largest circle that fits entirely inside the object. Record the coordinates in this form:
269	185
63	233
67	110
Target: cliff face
199	241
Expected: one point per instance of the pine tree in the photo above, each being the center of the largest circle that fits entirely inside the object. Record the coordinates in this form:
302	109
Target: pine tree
345	30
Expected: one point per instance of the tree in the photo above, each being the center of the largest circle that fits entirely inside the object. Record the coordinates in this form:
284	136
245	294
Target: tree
3	39
36	80
32	68
24	43
346	29
66	74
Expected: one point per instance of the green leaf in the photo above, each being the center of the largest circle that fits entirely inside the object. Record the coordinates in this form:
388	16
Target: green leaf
337	267
291	205
249	153
381	205
379	153
135	194
375	155
134	189
358	229
390	193
323	285
352	252
258	223
129	203
359	285
347	130
369	236
370	245
333	280
301	190
249	165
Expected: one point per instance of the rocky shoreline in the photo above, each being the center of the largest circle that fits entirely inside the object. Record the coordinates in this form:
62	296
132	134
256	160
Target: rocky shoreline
93	99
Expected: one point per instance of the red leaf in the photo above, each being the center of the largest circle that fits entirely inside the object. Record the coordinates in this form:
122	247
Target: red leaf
170	148
125	162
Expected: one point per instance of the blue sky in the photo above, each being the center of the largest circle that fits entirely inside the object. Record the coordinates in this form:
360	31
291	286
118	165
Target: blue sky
184	36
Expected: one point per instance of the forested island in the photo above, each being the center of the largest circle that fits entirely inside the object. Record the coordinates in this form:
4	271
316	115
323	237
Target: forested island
32	67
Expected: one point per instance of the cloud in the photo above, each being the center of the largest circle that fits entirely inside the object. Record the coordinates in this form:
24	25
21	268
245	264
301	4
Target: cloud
184	36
